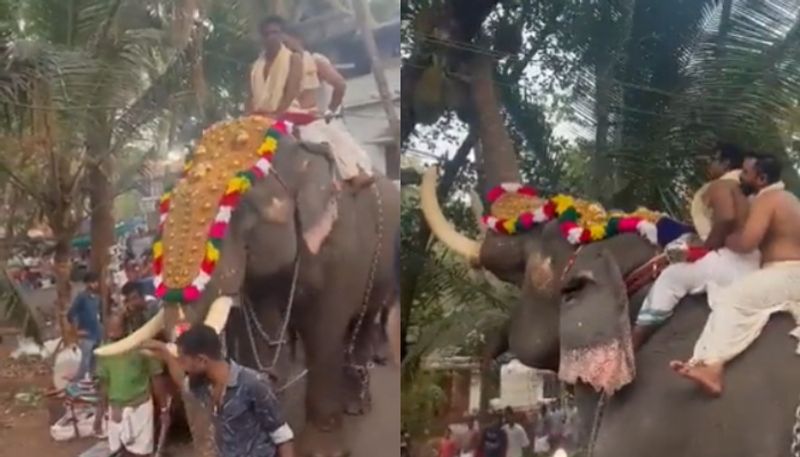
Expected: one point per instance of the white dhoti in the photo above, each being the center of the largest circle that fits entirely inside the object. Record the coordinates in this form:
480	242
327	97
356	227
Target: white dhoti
740	311
721	267
135	431
350	157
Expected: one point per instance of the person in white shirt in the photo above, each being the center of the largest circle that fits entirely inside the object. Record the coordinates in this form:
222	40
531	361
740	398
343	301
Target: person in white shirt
517	437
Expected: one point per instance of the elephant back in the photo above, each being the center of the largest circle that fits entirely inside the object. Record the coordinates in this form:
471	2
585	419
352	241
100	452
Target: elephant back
227	160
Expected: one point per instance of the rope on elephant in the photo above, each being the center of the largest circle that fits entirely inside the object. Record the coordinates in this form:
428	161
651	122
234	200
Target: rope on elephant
795	449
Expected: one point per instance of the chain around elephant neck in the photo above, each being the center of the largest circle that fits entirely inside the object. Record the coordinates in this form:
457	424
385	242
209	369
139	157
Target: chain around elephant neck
251	320
372	269
598	418
795	449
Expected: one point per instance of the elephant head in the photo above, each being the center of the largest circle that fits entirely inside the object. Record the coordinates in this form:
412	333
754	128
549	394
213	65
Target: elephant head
541	263
243	208
595	323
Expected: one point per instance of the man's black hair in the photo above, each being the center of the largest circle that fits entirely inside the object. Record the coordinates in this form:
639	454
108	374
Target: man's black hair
768	166
91	276
272	20
132	287
200	339
731	154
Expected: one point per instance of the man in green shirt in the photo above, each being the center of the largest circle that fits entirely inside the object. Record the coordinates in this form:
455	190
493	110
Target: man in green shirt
125	382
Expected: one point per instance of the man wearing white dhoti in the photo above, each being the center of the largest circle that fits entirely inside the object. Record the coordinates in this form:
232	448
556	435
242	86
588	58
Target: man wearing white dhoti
740	311
719	208
125	386
277	73
352	161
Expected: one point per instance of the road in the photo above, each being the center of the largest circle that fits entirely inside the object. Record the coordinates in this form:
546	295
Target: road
375	434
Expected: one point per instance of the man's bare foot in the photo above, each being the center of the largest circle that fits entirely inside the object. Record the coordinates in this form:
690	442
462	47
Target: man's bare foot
707	377
361	180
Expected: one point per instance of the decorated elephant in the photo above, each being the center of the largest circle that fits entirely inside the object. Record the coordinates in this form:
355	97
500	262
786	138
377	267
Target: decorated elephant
583	274
259	240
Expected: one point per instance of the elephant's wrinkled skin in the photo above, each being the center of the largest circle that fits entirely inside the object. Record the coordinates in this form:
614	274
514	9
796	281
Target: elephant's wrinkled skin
256	267
659	413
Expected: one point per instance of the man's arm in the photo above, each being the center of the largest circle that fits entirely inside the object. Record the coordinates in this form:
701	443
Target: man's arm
755	228
293	81
268	413
720	199
160	351
328	73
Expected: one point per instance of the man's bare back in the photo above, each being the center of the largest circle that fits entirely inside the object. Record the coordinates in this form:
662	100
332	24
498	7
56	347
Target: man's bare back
782	239
730	208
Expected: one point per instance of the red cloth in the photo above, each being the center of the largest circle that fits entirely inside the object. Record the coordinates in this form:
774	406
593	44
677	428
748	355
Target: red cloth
447	448
696	253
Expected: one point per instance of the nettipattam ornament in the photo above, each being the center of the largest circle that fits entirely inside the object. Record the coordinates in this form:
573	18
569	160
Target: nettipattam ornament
194	217
517	209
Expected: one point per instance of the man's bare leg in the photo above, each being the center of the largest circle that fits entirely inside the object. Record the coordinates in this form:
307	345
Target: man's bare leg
640	334
707	376
361	180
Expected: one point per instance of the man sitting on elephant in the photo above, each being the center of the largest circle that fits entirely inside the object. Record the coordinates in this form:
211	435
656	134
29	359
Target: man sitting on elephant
724	199
284	82
276	75
740	310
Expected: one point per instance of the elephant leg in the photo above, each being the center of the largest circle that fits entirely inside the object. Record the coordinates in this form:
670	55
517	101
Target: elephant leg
322	331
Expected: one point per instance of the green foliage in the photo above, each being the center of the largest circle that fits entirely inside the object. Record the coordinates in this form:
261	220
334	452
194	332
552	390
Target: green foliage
422	397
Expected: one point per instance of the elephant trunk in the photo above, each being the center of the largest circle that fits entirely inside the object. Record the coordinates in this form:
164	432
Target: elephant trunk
439	225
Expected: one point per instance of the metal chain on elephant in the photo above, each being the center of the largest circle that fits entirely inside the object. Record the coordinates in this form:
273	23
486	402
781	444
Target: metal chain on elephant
796	433
251	320
598	417
361	370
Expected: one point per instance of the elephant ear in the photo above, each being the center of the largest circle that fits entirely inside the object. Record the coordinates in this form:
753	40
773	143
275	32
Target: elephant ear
317	195
595	325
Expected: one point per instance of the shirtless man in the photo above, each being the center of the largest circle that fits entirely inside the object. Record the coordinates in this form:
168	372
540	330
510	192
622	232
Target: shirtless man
724	198
740	310
353	162
277	73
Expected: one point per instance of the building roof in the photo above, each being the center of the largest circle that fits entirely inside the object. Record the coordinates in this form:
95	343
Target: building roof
362	90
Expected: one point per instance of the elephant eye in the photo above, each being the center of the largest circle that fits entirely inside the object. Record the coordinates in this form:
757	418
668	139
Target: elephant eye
576	284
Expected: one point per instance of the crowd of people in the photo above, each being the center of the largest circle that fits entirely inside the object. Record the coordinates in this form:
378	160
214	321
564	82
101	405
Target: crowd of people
503	434
133	386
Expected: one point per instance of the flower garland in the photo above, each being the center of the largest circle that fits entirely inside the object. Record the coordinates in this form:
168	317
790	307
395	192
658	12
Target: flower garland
562	207
236	187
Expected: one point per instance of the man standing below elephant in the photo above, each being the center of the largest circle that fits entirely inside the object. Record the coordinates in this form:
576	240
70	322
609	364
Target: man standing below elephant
741	310
246	415
727	204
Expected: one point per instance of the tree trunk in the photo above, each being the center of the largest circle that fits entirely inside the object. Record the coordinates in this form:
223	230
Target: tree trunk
363	18
499	159
101	203
62	266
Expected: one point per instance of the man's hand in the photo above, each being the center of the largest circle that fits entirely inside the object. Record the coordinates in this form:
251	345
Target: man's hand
155	347
286	449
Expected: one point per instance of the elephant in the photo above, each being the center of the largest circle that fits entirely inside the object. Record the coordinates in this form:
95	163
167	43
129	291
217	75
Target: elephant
574	314
304	258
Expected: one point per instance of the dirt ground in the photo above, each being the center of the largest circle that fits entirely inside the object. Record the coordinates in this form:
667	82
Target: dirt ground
25	416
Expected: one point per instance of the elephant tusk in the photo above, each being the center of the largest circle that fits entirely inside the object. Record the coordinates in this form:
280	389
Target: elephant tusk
132	341
439	225
218	313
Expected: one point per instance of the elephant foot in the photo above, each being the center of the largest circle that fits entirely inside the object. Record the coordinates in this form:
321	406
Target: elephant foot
358	399
323	441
